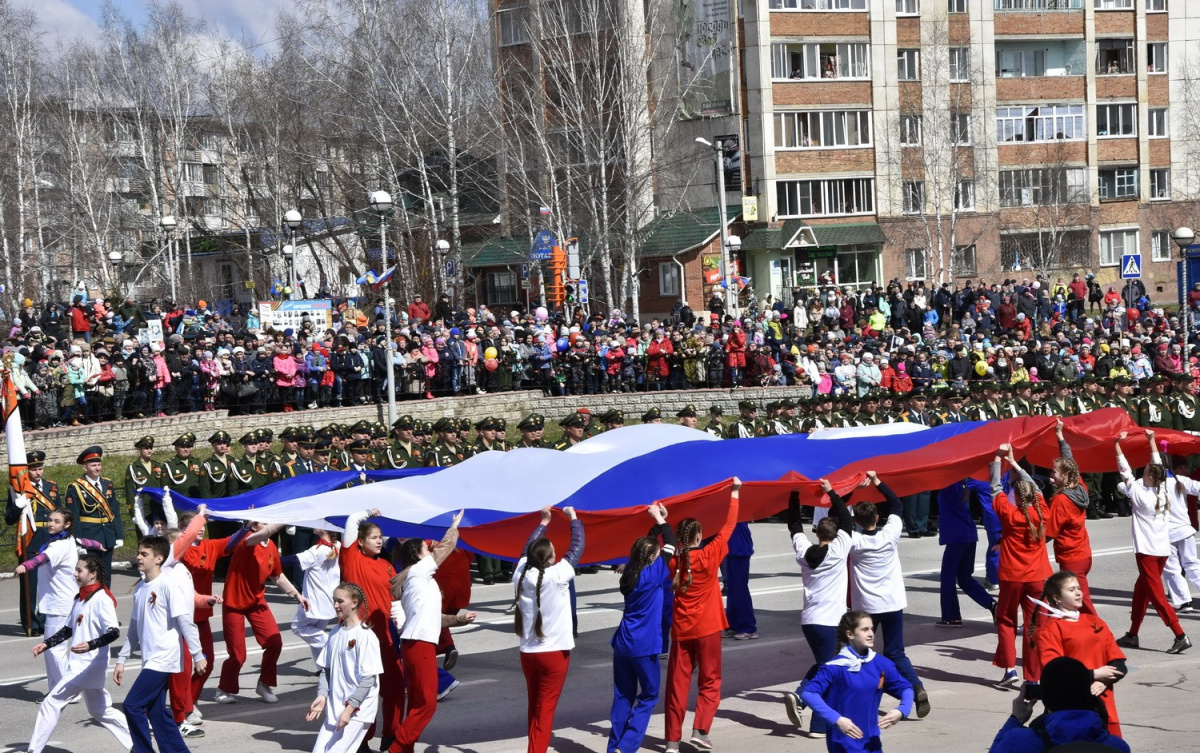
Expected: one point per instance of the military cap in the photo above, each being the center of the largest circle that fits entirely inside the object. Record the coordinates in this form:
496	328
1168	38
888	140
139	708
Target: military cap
651	415
687	410
35	459
613	416
187	439
266	434
501	424
359	445
773	405
361	427
445	424
1090	378
787	402
716	410
220	437
956	394
1156	379
325	432
145	443
427	427
404	422
379	429
464	424
1181	377
532	422
322	446
306	429
1062	381
95	452
747	405
1121	381
251	437
304	439
487	423
919	393
572	419
288	433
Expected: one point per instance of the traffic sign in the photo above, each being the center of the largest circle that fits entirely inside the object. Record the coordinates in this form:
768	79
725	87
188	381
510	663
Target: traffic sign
543	246
449	267
1131	266
525	271
581	289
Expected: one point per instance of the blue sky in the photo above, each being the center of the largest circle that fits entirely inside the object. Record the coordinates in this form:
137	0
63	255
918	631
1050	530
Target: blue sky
240	19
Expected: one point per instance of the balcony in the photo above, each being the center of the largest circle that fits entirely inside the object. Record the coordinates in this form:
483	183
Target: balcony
1032	17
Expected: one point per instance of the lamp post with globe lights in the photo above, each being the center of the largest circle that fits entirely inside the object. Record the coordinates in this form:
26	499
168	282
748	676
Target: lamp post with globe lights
381	204
291	221
1184	237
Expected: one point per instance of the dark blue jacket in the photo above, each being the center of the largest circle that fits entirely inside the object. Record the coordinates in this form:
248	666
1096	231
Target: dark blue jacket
1055	728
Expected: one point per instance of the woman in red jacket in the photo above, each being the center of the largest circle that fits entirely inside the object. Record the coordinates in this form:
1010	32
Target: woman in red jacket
362	564
735	354
1024	567
1067	524
658	359
699	620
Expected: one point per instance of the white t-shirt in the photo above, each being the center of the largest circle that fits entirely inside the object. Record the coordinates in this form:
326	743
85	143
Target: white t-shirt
89	620
876	579
349	655
56	577
157	604
556	607
824	586
321	576
1151	530
1180	526
422	601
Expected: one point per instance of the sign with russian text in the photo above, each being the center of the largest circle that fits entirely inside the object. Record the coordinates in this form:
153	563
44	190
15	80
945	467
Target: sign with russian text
281	315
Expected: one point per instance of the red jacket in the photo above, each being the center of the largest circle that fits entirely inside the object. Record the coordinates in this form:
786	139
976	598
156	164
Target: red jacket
418	311
657	362
698	610
1022	558
735	348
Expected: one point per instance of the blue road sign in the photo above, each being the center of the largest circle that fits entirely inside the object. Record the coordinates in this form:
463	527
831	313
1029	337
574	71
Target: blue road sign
1131	266
543	246
525	271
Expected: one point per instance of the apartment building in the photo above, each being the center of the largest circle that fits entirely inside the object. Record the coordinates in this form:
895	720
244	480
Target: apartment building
947	139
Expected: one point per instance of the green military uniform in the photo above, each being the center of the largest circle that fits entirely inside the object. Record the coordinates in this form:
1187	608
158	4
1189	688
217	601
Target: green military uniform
1154	410
139	474
534	422
40	500
97	515
444	453
404	454
652	416
181	474
572	421
747	425
216	481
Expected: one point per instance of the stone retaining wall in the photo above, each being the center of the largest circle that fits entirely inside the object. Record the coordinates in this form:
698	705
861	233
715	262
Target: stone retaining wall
63	445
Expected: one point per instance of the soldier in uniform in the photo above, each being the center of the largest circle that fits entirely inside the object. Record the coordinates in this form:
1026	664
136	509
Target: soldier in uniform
1061	403
264	448
1154	410
573	426
244	475
1021	403
404	451
652	416
144	471
379	444
747	424
182	472
92	499
715	427
954	413
852	416
988	406
290	451
303	464
486	439
613	419
339	456
464	438
592	427
531	428
822	418
321	453
215	478
445	452
772	425
360	457
35	508
687	416
787	415
870	415
917	506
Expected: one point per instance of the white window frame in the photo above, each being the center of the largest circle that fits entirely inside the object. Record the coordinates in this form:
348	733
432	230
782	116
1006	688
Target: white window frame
852	61
910	130
193	172
964	196
1160	184
1160	245
915	263
908	7
1124	186
1114	5
669	284
822	129
512	26
1159	123
1157	60
1123	44
1028	63
1042	186
1028	121
1156	6
1110	252
913	196
826	198
956	6
908	64
1123	114
833	6
960	65
960	128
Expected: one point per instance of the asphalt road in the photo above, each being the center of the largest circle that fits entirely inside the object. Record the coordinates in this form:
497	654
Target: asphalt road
1157	701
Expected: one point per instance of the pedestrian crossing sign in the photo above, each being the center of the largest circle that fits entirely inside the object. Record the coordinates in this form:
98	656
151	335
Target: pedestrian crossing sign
1131	266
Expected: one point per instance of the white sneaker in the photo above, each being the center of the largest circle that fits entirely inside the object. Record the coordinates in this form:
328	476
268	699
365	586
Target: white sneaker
266	693
449	689
195	718
190	732
223	697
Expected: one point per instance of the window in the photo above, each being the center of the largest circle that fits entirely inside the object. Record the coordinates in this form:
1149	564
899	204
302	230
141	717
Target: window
193	172
668	279
1048	250
1114	4
818	4
1116	120
1160	245
514	26
960	64
210	175
502	287
210	141
1159	123
1116	243
1118	183
909	65
910	130
1043	187
1114	56
914	196
822	129
914	263
960	128
817	198
1020	63
956	6
908	7
964	261
1156	57
964	196
1040	123
1039	4
1156	6
1160	184
820	61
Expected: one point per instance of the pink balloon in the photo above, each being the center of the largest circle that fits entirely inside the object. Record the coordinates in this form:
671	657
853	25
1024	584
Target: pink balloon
491	364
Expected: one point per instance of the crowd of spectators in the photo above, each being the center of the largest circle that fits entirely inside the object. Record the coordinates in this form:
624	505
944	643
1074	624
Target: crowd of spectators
91	361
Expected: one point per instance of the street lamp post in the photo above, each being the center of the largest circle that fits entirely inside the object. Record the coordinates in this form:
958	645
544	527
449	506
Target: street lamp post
116	258
1185	237
291	220
289	255
381	203
726	272
443	249
167	223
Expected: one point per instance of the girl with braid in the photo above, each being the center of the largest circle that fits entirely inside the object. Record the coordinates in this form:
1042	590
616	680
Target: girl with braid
638	642
91	627
1151	521
699	621
543	623
1067	524
348	684
1024	568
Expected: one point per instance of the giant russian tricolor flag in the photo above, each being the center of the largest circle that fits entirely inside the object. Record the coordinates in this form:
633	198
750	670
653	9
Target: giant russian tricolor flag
611	478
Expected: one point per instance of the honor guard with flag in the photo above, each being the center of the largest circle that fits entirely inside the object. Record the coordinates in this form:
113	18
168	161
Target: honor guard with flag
143	472
33	506
92	499
182	472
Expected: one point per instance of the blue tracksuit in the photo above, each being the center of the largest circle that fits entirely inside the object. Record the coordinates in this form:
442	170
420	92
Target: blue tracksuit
636	645
739	606
1053	729
838	691
958	536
